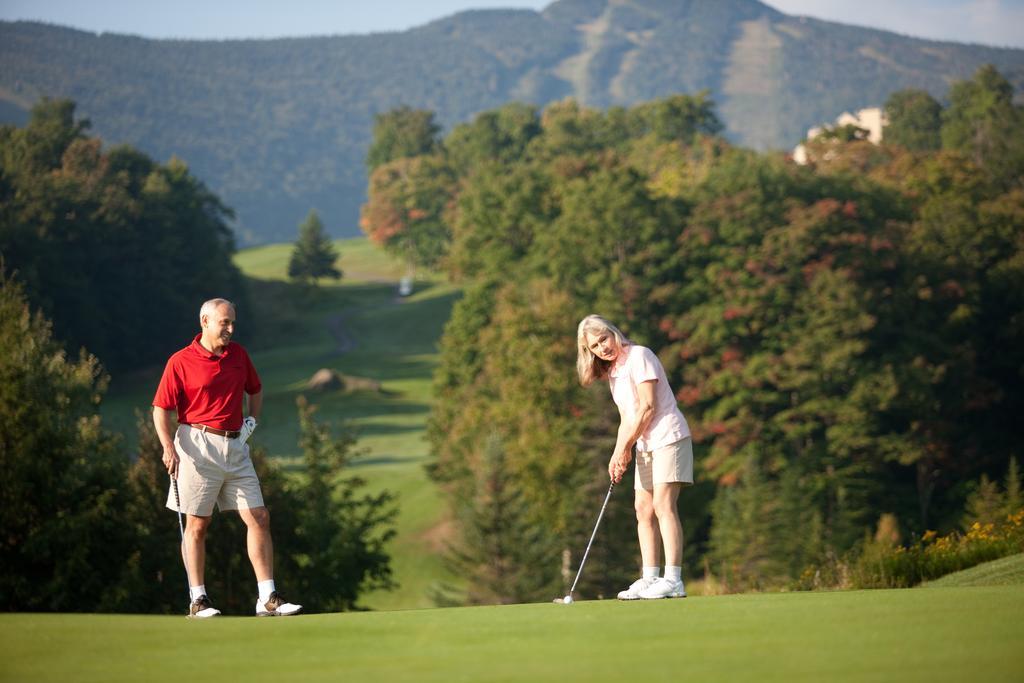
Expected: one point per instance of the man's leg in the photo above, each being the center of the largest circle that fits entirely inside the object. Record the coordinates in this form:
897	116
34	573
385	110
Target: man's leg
194	548
258	541
261	554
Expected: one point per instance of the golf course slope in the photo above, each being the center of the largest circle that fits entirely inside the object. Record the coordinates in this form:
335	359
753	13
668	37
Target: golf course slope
941	634
1002	572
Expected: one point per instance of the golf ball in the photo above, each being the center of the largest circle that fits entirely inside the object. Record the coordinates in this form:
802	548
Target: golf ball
567	599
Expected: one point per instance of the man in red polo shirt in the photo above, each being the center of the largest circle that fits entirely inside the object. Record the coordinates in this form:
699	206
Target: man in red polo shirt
204	385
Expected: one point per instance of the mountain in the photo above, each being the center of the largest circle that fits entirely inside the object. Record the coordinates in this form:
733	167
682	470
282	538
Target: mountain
277	127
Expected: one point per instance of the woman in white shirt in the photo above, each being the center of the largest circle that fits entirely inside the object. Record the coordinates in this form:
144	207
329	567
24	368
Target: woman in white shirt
650	419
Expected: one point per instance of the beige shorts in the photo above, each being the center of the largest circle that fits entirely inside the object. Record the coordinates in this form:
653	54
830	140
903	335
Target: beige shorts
665	465
213	470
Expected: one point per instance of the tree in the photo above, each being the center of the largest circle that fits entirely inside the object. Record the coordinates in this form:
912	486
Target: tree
988	504
406	208
96	232
340	531
844	337
62	497
745	532
401	133
502	135
314	255
501	554
495	219
982	122
915	120
152	578
677	118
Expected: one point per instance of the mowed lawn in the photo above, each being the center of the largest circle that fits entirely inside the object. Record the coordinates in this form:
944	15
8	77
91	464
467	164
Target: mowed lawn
391	340
936	634
1001	572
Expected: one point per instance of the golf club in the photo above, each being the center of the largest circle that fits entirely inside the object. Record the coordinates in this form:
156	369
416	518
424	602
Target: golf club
567	600
181	528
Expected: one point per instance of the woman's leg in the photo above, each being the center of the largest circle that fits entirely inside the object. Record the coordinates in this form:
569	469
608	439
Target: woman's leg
664	504
646	528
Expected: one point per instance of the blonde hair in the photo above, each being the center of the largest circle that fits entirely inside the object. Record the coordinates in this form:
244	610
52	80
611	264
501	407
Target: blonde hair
588	366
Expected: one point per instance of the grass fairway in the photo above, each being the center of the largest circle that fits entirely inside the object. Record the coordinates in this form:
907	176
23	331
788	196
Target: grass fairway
948	634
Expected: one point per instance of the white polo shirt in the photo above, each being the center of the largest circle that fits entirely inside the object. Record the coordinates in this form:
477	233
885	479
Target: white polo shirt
638	364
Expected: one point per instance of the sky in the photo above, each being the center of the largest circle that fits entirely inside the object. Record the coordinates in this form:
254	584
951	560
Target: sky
992	22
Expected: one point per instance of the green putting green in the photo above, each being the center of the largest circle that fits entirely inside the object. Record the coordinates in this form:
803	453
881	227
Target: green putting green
942	634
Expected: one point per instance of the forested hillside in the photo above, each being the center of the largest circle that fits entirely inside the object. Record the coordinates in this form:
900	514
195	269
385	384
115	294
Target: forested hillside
845	338
278	127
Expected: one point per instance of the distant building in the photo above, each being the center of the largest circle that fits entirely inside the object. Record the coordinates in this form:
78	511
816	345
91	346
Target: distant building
871	120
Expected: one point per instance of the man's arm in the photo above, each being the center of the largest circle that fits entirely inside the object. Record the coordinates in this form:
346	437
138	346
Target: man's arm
164	421
256	404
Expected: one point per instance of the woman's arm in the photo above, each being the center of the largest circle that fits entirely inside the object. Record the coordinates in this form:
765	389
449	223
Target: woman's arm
630	430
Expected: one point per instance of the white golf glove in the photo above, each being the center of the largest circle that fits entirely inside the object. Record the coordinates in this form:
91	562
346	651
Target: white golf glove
248	427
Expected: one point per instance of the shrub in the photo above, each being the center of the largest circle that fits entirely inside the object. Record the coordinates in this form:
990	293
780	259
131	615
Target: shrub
881	563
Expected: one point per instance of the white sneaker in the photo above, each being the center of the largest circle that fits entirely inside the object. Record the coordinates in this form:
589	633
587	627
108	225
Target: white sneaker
663	588
633	592
202	609
276	606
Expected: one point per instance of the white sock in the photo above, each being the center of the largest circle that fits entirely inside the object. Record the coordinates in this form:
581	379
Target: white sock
266	588
197	591
651	572
674	573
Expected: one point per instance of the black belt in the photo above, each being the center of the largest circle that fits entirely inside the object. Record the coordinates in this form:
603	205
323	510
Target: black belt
218	432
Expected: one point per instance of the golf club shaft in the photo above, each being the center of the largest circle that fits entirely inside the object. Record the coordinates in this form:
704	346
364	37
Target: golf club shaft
591	542
181	528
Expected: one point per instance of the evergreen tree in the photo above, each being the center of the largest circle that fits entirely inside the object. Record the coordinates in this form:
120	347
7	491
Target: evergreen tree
314	255
988	504
501	555
62	497
744	535
985	504
153	578
1011	489
340	531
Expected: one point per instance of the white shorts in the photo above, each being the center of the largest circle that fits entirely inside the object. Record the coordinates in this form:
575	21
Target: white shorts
213	470
665	465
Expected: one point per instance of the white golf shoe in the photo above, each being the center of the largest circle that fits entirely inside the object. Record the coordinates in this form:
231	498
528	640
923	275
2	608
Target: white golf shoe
663	588
201	608
635	588
276	606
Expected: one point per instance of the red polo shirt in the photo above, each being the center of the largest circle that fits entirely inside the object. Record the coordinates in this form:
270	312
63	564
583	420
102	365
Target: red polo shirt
207	389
